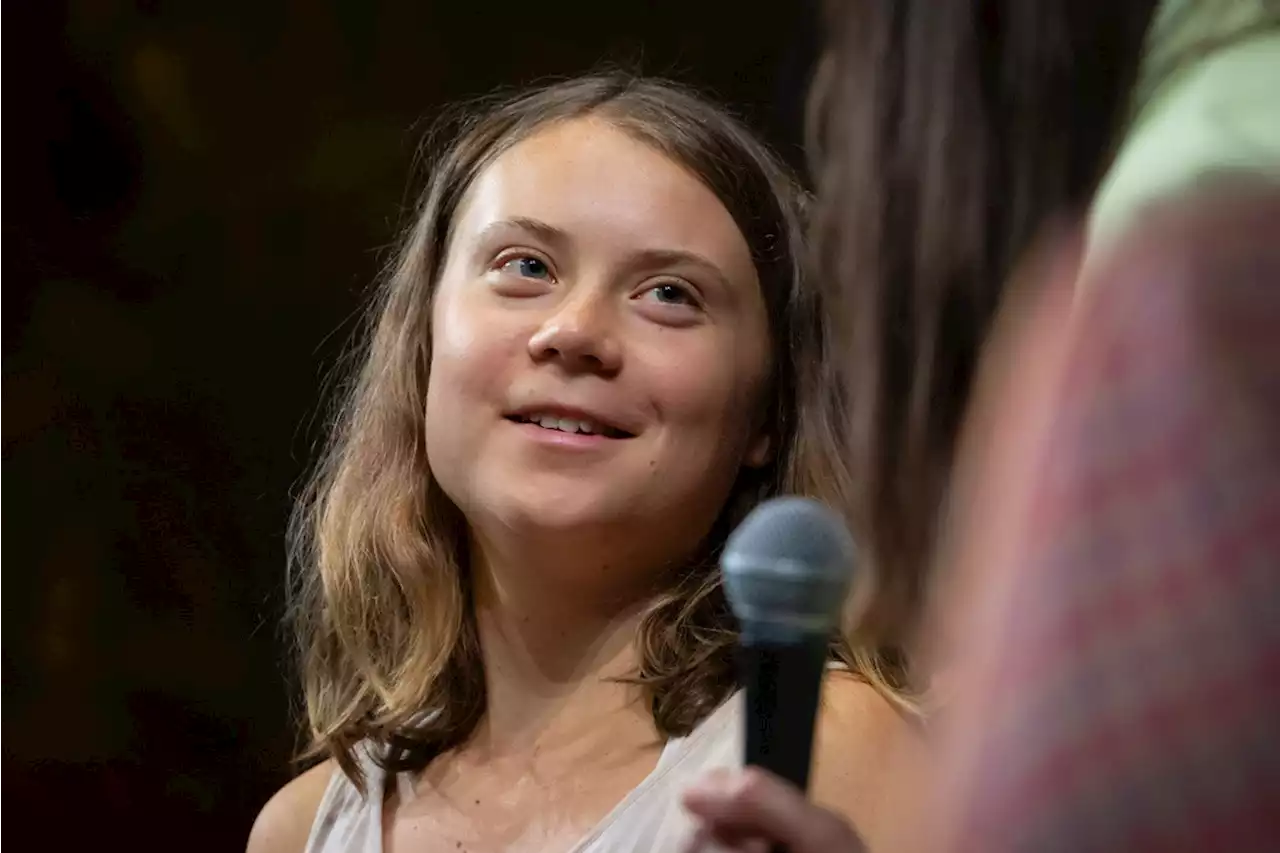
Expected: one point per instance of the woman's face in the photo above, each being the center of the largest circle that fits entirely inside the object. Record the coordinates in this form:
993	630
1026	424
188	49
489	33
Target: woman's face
600	346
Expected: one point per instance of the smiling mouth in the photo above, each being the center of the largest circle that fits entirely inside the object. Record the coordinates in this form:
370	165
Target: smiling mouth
575	426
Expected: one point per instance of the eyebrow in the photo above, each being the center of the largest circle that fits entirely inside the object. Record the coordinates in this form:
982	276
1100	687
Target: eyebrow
656	259
536	227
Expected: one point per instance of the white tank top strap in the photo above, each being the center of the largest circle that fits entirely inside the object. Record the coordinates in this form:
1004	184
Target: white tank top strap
404	787
348	821
651	818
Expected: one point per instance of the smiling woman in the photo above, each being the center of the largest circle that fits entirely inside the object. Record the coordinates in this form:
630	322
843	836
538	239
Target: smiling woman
548	307
595	353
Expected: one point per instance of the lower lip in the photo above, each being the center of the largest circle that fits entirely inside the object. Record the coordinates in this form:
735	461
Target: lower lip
560	438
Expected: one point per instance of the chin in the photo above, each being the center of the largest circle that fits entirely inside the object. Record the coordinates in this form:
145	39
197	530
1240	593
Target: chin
565	518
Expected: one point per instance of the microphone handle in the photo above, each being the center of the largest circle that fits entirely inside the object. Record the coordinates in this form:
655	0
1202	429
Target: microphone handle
784	681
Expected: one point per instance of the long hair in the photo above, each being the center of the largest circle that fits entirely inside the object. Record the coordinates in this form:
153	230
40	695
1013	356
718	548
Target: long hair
944	135
385	633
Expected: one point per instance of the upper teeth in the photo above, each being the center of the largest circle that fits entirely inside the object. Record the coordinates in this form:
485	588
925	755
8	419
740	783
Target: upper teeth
564	424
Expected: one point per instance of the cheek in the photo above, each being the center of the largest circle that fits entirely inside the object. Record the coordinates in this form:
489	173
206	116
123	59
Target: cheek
470	359
718	394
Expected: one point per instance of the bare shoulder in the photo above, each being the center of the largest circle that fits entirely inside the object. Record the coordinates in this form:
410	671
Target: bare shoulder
862	740
285	821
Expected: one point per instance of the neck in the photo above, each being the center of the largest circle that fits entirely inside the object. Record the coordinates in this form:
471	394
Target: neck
554	646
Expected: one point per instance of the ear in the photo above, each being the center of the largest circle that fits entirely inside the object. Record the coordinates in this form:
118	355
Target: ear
759	451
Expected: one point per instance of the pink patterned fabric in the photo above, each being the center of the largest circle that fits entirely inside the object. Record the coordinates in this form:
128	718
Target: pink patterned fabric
1129	694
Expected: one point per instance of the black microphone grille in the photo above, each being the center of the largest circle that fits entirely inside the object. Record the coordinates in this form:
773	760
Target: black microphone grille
788	566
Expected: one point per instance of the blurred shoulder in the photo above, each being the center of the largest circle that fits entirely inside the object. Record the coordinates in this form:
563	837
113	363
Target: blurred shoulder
284	823
862	739
1199	235
1197	283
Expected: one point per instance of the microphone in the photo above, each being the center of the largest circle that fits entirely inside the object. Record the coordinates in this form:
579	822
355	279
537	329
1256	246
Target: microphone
787	570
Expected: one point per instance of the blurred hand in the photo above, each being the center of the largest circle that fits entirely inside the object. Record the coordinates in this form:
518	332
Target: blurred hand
753	811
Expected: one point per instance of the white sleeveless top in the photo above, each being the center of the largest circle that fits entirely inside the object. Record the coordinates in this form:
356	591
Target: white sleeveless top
650	819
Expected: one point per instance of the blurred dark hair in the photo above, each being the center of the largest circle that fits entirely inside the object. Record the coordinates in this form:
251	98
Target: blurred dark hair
944	136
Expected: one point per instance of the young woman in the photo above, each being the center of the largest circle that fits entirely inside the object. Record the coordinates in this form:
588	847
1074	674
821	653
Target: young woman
595	352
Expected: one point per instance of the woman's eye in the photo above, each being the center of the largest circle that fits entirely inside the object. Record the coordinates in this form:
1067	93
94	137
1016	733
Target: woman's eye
670	294
526	267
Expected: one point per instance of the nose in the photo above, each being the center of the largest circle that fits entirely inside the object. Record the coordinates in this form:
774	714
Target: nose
580	336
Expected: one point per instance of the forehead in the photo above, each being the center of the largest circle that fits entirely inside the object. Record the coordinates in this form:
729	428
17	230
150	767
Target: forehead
595	181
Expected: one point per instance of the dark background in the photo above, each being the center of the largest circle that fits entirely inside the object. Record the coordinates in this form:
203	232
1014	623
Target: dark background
196	197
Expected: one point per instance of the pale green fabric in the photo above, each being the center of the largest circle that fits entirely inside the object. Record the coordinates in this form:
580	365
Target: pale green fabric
1219	112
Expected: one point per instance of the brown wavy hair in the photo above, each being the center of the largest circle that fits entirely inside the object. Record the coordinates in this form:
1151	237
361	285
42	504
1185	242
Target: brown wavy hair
944	136
386	638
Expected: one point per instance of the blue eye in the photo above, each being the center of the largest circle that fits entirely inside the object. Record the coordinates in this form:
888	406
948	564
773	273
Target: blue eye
527	267
670	294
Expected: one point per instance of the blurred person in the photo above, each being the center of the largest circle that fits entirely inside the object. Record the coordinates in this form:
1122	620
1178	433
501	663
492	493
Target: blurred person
1103	637
595	352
